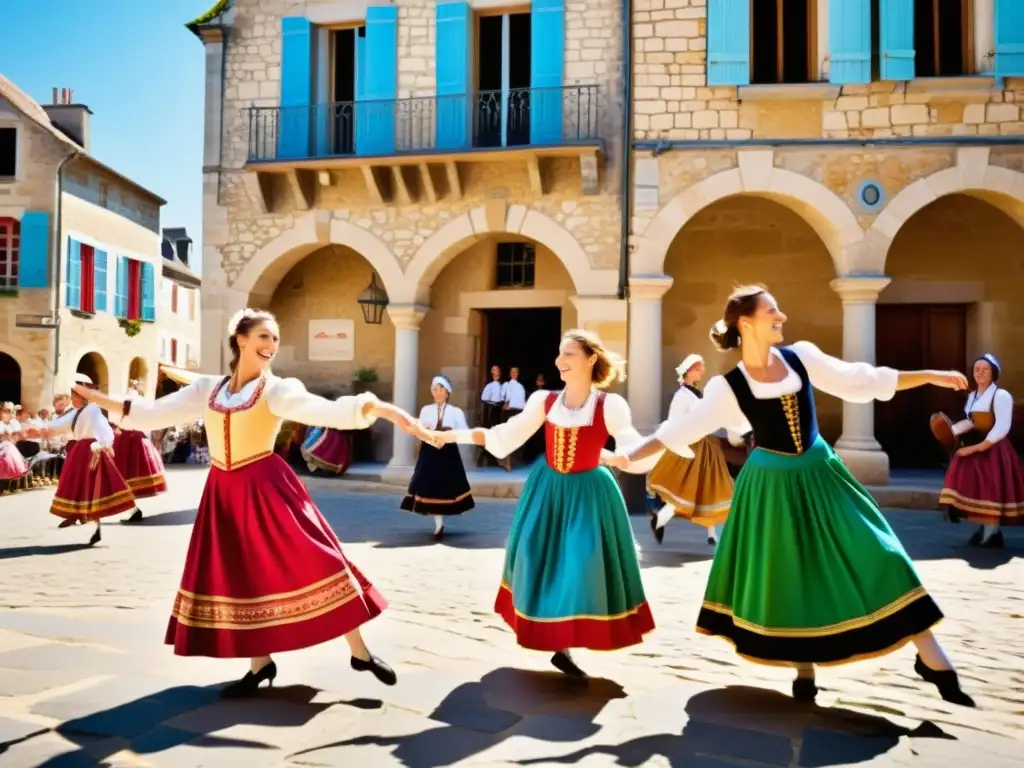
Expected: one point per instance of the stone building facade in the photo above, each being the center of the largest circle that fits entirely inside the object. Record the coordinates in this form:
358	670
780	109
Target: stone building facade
883	208
506	150
67	312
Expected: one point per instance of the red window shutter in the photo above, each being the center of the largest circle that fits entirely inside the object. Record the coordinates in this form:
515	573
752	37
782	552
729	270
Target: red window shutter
174	351
87	278
134	289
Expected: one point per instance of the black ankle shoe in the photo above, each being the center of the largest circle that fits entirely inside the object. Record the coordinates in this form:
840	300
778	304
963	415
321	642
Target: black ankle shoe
439	534
946	680
95	538
975	539
566	666
250	684
135	518
805	689
954	515
995	541
659	533
67	522
380	670
712	541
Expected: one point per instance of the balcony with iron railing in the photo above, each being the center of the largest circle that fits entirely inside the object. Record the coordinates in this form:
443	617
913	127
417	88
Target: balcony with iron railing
520	123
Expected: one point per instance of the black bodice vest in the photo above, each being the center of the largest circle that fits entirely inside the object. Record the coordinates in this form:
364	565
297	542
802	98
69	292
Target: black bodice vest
697	393
787	424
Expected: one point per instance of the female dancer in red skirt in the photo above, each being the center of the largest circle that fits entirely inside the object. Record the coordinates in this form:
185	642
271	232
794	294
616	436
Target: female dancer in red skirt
985	479
138	460
264	572
90	486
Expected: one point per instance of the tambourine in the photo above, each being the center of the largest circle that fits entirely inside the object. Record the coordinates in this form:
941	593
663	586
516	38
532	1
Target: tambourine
942	428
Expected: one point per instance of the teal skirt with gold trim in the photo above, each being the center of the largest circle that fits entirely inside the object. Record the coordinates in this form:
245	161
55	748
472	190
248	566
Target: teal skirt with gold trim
807	568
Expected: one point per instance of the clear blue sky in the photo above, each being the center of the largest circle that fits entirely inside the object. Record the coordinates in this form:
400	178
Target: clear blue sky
133	63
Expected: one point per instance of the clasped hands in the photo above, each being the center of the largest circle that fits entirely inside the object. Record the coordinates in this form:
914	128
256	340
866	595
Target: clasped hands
409	425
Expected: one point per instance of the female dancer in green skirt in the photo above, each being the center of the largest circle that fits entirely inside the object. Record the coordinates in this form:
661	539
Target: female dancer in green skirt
807	570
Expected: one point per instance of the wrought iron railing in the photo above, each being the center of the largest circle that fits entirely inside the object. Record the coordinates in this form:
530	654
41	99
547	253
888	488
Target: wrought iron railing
485	119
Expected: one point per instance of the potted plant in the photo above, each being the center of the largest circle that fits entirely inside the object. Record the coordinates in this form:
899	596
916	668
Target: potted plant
364	380
131	328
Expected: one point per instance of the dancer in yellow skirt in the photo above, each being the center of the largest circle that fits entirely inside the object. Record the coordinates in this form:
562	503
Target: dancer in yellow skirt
697	489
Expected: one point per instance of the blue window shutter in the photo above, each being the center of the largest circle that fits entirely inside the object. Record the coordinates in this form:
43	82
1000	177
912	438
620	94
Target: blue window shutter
453	83
295	121
376	113
728	42
99	280
1009	35
121	288
362	125
74	276
849	41
896	30
547	65
34	253
148	293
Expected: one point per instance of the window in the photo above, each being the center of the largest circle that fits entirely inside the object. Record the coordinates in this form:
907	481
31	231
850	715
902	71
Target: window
174	298
515	265
503	72
10	235
782	37
134	297
87	278
942	37
8	152
174	351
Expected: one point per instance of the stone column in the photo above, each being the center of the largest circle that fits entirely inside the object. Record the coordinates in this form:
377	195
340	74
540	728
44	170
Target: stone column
857	446
643	369
406	319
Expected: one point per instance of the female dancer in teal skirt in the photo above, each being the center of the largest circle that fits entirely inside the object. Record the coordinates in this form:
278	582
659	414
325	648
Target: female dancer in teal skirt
807	570
571	576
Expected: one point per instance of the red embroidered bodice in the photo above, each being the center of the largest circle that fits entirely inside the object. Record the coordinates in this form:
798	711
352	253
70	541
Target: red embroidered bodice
575	449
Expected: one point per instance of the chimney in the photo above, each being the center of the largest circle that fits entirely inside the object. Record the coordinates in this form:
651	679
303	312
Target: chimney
72	119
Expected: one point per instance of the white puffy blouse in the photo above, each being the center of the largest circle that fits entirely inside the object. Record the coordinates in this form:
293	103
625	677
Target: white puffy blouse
91	424
854	382
286	398
503	439
451	416
999	401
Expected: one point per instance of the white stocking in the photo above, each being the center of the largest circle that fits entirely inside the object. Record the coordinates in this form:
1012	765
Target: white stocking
665	514
438	523
989	532
712	532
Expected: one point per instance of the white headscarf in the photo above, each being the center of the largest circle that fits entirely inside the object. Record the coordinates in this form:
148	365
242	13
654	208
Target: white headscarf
443	382
688	363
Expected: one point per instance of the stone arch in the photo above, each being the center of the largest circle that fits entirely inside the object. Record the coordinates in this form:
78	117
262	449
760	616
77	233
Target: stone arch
972	175
269	265
94	365
756	174
11	372
138	370
495	217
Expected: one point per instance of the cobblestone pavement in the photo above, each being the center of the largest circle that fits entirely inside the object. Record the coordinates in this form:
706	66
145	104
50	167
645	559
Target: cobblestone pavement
84	679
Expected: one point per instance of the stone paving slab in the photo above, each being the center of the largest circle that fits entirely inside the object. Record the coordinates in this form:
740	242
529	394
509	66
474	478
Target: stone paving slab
86	680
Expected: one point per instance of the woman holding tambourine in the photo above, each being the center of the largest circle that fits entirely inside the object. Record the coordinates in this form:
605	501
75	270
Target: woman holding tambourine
985	479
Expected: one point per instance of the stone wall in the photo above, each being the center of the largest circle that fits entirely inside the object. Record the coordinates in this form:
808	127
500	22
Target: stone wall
673	101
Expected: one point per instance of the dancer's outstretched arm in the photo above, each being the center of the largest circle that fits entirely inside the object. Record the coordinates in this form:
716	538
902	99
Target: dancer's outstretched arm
502	440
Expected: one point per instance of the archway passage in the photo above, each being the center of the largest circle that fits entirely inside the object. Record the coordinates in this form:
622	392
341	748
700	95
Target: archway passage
94	366
956	266
739	240
138	371
10	379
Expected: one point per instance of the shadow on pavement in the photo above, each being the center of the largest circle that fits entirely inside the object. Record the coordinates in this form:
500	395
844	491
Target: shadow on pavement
476	716
744	724
10	553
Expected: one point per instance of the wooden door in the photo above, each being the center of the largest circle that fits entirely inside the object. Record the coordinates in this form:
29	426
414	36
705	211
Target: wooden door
915	337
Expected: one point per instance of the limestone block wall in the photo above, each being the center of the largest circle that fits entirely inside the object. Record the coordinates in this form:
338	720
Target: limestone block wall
673	100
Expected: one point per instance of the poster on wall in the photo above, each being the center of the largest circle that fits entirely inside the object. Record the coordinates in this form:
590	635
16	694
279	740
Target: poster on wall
332	340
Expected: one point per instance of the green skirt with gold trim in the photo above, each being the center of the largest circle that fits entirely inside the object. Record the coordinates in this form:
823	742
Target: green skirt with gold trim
807	568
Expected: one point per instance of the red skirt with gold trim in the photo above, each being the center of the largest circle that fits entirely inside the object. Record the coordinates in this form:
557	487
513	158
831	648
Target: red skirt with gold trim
264	571
988	485
139	463
87	493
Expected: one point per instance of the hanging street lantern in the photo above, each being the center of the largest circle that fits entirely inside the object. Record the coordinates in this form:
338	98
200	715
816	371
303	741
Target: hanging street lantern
373	301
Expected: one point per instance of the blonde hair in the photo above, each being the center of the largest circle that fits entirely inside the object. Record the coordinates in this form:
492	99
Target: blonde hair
609	367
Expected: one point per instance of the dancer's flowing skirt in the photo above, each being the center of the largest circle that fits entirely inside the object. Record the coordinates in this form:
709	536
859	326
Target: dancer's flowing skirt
808	570
988	486
88	493
700	488
439	485
571	577
13	465
139	463
264	571
327	449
